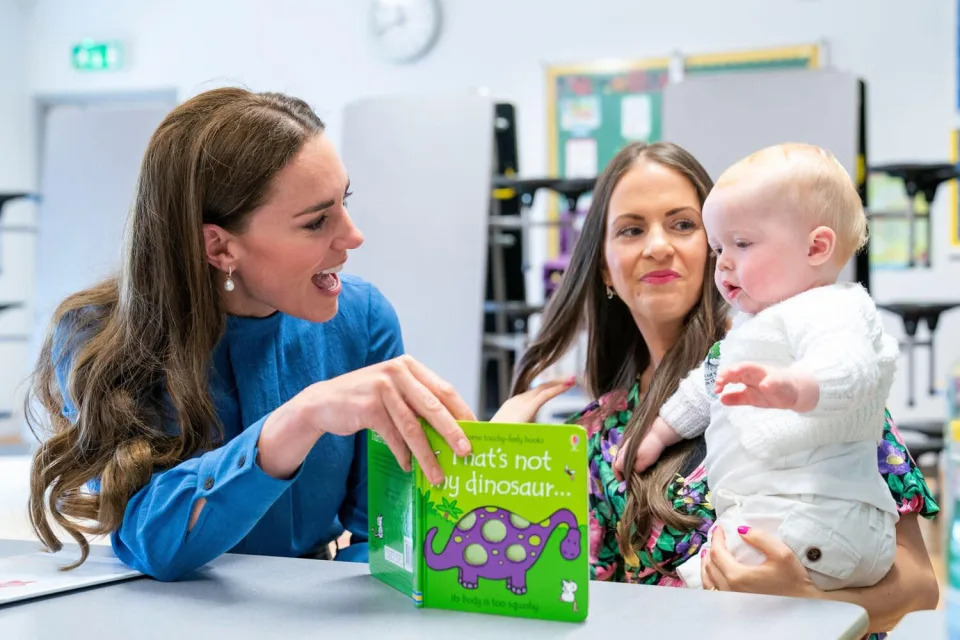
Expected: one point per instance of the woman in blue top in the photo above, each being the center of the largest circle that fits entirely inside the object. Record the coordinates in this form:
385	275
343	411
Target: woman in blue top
212	397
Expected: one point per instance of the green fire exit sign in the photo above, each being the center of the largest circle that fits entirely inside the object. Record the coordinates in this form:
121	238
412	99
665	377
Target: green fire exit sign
89	55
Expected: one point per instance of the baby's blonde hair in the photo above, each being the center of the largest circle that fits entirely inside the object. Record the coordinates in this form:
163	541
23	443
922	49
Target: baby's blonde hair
812	181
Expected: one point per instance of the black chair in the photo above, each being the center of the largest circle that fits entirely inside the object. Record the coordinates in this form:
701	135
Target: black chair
920	178
7	197
570	188
911	313
4	199
506	317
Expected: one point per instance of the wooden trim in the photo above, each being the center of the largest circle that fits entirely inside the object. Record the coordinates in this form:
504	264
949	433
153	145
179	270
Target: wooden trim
810	51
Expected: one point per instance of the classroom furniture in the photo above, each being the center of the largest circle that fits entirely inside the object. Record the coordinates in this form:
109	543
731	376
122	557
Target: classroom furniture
918	178
4	199
7	305
505	308
7	197
240	596
5	413
505	341
911	313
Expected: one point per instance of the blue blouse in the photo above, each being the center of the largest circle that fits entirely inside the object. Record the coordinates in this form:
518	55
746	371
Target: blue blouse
258	365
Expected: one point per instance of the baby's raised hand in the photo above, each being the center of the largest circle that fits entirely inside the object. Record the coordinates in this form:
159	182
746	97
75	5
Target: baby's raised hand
767	387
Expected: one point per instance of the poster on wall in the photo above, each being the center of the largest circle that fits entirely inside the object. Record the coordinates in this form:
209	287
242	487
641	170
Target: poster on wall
593	110
580	113
610	103
581	154
636	116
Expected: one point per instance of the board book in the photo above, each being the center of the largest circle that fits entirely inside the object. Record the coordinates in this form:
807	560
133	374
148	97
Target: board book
506	532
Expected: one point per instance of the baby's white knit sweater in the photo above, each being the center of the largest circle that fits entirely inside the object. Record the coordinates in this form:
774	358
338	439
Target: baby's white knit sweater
832	332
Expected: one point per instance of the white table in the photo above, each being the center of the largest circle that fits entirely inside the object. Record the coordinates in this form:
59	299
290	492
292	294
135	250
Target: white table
921	625
240	596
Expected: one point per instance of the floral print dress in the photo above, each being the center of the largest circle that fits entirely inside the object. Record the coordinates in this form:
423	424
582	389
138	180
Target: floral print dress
667	548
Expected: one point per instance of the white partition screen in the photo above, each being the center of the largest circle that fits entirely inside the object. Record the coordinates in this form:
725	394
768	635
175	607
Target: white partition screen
722	118
420	168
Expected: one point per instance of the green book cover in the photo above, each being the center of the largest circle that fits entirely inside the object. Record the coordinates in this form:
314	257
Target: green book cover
506	533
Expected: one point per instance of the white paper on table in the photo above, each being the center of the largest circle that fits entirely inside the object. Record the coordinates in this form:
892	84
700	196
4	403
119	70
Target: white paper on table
636	117
38	574
580	158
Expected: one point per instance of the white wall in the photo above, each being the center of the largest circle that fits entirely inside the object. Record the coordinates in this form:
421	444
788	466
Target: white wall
319	49
16	168
17	173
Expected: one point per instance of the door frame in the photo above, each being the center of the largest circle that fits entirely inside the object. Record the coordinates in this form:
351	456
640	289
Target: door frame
44	102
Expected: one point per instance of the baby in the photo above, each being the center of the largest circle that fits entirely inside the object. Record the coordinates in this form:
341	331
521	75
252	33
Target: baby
794	395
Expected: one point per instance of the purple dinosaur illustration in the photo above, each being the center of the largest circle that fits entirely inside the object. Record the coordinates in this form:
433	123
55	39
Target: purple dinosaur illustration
493	543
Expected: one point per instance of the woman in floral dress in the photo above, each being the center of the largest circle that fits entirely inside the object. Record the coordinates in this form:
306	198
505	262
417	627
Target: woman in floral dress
636	283
668	547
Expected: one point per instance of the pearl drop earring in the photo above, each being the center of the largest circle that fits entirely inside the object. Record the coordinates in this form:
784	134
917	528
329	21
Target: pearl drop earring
229	284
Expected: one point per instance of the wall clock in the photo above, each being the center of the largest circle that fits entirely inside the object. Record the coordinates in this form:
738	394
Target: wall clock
405	30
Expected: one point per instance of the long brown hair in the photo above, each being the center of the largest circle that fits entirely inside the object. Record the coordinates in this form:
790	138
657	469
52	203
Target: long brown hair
616	352
153	327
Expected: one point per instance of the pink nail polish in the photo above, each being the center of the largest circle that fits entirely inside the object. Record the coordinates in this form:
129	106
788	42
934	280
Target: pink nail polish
572	380
743	530
703	552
